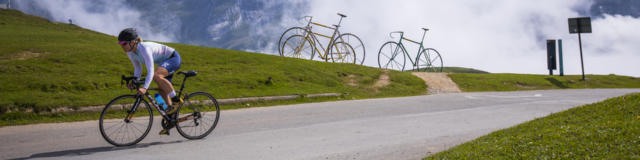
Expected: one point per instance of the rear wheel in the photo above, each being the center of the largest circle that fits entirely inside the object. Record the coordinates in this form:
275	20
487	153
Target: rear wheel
198	116
391	56
120	125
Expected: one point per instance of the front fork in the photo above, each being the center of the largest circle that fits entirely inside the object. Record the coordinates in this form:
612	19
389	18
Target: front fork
133	110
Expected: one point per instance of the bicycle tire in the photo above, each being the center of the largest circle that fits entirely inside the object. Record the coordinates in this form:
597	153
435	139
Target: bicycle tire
118	109
200	105
297	46
286	34
430	61
357	45
388	55
342	52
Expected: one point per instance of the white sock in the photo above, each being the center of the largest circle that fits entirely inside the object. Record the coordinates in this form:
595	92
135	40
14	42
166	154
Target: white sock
172	94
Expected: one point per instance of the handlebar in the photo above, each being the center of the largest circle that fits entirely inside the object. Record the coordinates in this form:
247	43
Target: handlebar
127	80
400	32
307	18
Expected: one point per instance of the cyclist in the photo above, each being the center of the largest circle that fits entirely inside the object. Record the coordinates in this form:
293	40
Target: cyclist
151	53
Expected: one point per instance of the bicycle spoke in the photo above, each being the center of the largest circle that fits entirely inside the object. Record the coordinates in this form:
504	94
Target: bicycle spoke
134	126
116	123
119	128
358	46
434	60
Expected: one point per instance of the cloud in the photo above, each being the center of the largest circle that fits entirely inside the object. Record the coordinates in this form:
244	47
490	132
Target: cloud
107	16
493	35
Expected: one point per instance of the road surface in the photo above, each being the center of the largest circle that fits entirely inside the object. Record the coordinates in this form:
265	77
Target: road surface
386	128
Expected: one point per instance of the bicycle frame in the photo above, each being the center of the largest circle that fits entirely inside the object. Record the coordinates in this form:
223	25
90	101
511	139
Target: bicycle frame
309	34
140	98
420	47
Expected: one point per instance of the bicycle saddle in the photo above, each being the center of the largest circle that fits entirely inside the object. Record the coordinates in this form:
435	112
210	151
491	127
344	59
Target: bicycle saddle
425	29
189	73
342	15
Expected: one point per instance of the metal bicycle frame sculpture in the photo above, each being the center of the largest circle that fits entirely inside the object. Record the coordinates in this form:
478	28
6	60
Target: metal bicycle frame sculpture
392	55
303	43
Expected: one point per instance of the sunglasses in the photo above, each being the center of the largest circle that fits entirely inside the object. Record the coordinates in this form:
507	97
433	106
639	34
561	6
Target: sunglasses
122	43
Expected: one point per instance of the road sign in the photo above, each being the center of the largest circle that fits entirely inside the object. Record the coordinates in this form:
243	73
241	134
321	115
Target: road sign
580	25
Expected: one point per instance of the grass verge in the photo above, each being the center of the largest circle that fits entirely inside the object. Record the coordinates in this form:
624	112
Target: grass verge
605	130
469	82
23	118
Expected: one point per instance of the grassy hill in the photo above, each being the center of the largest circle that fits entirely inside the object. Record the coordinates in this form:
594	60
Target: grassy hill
47	64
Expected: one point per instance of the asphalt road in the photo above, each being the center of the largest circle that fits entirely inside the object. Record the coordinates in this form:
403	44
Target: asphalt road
387	128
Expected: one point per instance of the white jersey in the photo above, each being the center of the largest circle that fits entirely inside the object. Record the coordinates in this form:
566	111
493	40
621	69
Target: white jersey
149	53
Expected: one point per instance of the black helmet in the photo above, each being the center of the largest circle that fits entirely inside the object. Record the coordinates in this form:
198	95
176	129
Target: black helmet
128	34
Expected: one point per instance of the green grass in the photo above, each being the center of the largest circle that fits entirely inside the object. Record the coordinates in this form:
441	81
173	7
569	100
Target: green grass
515	82
47	65
605	130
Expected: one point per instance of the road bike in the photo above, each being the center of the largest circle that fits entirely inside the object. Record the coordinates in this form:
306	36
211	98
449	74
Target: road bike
127	119
392	55
303	42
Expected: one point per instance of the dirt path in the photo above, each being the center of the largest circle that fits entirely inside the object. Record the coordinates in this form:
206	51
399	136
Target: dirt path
438	82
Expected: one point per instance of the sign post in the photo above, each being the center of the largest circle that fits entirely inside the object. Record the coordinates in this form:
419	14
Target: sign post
560	56
580	25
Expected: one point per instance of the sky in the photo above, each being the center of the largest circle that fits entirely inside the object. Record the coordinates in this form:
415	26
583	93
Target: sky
106	16
498	36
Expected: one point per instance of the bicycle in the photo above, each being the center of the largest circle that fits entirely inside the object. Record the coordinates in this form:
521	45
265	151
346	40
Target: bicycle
303	43
127	119
392	55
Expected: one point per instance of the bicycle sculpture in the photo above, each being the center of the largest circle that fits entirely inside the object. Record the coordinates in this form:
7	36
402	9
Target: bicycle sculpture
303	42
392	55
127	119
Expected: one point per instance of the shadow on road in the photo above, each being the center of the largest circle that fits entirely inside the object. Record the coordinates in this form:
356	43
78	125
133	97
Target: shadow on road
88	151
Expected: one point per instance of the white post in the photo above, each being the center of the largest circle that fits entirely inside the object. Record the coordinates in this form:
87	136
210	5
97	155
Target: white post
8	4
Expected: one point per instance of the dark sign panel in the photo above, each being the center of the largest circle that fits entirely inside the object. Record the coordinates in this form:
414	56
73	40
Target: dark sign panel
551	54
580	25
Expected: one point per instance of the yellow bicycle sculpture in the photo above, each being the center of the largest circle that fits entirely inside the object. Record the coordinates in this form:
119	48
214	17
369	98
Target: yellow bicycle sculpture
303	42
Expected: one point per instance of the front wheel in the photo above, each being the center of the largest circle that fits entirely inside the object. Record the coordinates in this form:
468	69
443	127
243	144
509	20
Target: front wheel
198	116
391	56
429	60
123	124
